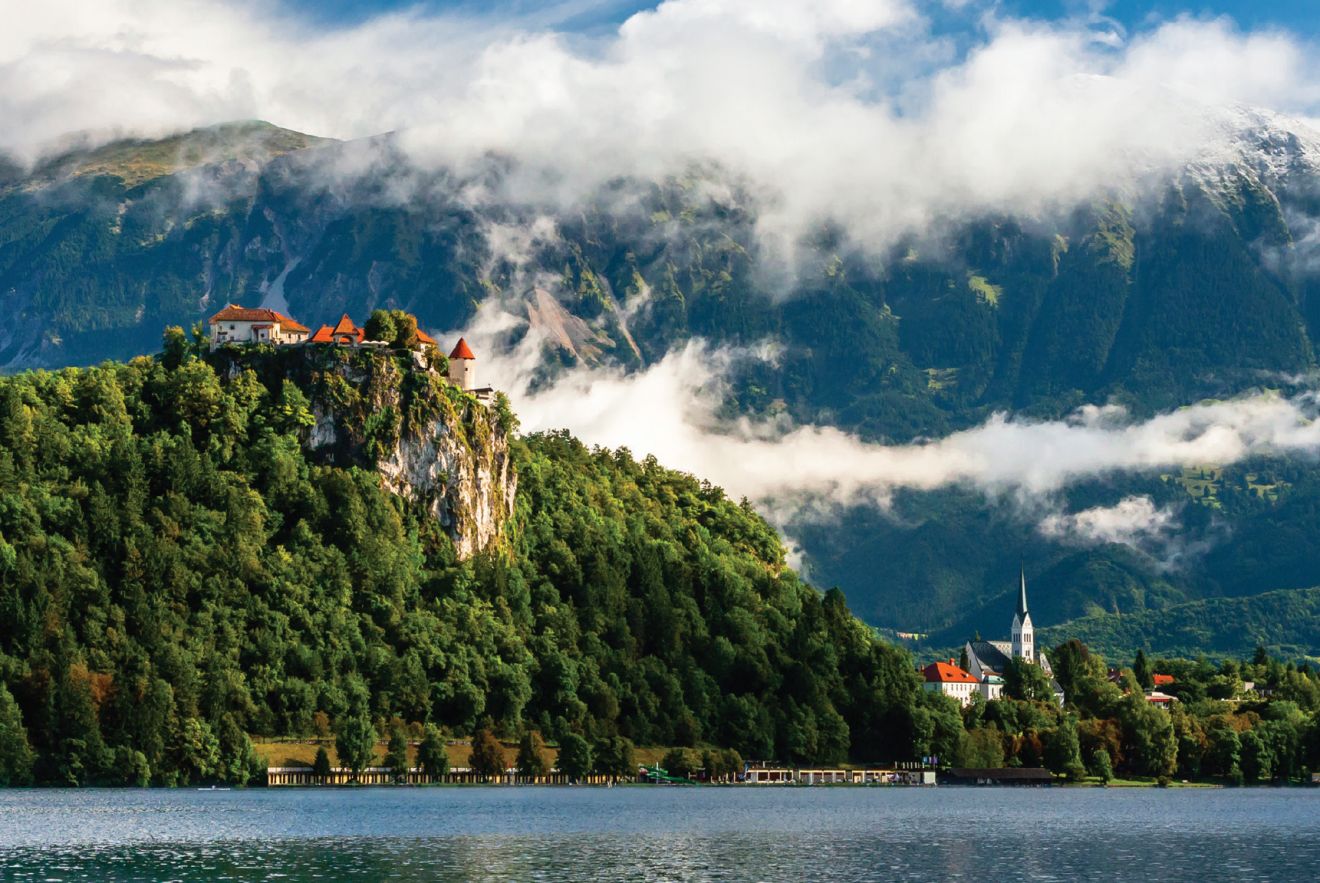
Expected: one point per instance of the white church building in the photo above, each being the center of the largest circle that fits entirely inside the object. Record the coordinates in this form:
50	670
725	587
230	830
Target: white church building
986	660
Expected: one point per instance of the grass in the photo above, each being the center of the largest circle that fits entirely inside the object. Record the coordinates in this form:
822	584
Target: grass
984	290
301	752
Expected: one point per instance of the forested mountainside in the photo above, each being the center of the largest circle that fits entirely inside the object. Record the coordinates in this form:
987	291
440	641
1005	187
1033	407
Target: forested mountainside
1202	286
188	555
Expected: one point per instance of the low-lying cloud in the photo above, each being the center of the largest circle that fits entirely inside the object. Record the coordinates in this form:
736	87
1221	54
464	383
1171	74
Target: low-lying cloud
670	410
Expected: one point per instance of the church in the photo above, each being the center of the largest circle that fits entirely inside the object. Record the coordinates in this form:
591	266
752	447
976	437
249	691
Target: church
986	660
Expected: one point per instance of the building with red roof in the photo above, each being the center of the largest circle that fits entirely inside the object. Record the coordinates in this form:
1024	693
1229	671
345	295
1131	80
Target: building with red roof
1163	680
463	366
235	324
949	679
343	333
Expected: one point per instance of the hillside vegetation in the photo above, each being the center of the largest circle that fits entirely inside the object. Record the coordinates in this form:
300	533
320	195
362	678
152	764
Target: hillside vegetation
179	571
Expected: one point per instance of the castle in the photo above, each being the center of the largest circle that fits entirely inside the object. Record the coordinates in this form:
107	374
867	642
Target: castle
258	325
986	660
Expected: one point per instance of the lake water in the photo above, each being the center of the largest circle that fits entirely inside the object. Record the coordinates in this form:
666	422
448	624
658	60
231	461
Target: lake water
656	834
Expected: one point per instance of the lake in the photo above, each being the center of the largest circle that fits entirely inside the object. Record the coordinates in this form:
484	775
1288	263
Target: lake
659	834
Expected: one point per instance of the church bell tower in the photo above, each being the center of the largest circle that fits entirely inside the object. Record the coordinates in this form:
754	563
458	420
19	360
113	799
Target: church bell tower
1024	636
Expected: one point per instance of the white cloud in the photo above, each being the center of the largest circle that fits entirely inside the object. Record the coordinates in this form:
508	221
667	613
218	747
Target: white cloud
850	110
1133	521
669	410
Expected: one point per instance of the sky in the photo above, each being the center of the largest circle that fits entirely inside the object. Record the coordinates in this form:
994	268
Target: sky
1299	16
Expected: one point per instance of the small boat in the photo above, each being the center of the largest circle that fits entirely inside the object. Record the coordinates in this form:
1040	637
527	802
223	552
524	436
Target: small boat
213	788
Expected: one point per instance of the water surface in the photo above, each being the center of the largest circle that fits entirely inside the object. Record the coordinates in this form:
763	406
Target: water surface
660	834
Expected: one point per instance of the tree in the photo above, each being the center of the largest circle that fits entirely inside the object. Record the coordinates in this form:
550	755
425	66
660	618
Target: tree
432	755
983	748
1063	751
574	757
355	742
198	750
1257	759
487	757
532	761
380	326
1142	672
1223	752
321	765
1149	742
174	347
396	754
1100	766
682	762
614	757
1026	680
15	752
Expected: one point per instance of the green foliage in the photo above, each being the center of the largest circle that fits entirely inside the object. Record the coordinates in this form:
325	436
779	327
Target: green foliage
355	742
15	753
321	764
532	760
682	762
487	756
431	754
396	755
179	570
1100	766
1141	671
575	759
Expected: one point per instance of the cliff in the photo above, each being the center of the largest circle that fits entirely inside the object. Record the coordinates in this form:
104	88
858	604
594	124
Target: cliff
397	414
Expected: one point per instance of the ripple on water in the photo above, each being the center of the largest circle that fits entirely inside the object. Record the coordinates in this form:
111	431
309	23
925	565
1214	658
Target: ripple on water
650	834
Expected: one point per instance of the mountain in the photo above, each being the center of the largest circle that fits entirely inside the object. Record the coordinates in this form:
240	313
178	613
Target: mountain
197	547
1194	285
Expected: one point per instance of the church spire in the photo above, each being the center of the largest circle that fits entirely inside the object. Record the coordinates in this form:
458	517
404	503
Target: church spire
1022	594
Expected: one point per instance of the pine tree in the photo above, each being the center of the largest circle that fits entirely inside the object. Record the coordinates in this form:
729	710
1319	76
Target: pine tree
487	757
531	755
15	752
431	754
396	756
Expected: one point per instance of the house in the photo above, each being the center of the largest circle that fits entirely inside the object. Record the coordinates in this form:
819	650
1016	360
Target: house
987	660
1162	680
1164	700
343	333
235	324
463	371
949	679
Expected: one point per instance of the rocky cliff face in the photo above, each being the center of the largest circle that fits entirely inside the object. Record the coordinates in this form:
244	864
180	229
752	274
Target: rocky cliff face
397	414
468	488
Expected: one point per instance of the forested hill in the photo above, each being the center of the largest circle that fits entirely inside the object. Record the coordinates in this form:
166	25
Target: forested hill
188	557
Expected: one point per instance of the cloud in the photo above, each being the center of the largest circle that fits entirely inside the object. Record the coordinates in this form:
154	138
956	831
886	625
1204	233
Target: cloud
852	111
1133	521
671	410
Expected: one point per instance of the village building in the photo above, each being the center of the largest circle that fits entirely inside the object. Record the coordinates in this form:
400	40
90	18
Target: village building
949	679
342	333
235	324
987	660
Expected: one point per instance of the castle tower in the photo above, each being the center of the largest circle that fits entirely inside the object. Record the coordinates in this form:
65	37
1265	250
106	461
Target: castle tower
1024	636
463	366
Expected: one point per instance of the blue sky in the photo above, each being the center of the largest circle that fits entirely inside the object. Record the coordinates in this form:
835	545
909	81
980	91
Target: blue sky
1300	16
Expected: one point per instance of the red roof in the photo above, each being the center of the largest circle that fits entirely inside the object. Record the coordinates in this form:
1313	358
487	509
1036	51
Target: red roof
322	335
235	313
423	337
1163	680
944	673
345	326
462	351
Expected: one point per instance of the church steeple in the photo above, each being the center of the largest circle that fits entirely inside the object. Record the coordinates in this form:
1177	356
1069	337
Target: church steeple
1024	636
1022	594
